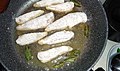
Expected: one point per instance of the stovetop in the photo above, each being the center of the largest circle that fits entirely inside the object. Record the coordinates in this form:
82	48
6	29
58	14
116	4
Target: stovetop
103	61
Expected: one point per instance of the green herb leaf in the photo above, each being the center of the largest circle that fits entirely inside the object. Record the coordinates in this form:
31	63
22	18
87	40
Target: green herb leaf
86	30
70	60
118	50
74	53
61	64
76	3
71	57
28	54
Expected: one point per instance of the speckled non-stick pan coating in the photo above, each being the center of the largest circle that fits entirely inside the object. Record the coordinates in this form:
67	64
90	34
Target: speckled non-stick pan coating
92	52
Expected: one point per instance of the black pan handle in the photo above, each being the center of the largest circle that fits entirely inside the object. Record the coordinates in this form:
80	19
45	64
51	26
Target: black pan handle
3	5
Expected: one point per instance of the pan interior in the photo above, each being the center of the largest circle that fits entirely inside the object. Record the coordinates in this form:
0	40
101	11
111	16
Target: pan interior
81	31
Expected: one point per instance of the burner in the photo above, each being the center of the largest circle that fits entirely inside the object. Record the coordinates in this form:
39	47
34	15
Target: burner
112	8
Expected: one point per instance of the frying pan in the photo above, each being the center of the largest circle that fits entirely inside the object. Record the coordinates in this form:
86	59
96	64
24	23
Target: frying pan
92	52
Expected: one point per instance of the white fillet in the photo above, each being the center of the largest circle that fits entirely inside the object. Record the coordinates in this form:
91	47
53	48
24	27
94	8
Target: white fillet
48	55
69	20
30	38
28	16
37	23
63	7
45	3
57	37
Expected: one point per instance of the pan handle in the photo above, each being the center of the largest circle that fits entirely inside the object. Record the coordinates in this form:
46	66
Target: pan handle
3	5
